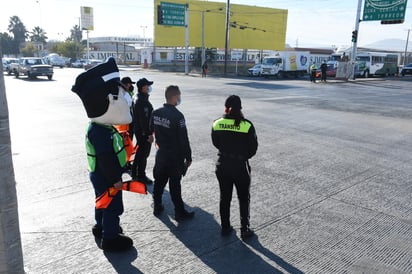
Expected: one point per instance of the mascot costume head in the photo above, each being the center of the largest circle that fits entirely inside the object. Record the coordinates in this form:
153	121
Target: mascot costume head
103	97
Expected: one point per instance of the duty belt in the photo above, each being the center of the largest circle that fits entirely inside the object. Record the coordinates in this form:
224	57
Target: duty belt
232	156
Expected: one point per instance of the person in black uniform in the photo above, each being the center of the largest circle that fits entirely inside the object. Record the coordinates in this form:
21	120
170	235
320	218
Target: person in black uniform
174	154
323	69
142	111
235	138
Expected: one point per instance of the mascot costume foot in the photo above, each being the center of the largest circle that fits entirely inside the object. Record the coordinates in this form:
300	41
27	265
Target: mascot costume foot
103	97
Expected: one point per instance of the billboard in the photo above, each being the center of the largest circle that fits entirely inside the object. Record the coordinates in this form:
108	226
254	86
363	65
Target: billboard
86	16
251	27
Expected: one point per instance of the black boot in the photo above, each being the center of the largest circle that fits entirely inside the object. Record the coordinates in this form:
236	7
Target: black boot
184	215
120	243
246	232
98	231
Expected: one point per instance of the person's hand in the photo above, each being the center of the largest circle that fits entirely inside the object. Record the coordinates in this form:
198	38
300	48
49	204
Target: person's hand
118	185
150	138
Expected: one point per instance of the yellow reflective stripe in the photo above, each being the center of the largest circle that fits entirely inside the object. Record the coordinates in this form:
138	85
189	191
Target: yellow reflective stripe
229	125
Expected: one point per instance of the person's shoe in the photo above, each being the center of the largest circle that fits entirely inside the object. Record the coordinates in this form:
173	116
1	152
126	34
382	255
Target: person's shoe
246	233
158	209
98	231
120	243
226	231
184	215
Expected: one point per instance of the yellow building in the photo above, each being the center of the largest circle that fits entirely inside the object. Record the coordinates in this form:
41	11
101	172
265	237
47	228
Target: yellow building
251	27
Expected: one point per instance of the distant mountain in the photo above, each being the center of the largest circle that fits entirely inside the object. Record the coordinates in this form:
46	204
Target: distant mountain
390	45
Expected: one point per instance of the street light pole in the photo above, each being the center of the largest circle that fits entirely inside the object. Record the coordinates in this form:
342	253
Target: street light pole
227	33
355	43
203	38
406	48
144	35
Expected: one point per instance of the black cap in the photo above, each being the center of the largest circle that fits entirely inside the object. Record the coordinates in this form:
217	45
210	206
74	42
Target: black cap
93	86
233	101
143	82
127	80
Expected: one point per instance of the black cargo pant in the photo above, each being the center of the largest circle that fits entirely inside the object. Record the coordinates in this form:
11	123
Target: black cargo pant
229	173
140	158
166	171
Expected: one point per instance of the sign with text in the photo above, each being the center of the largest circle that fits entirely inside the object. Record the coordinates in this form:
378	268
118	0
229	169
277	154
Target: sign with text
86	18
171	14
384	10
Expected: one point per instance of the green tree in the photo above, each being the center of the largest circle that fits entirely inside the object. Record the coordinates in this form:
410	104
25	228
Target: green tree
6	43
76	34
19	31
29	50
38	35
11	254
70	49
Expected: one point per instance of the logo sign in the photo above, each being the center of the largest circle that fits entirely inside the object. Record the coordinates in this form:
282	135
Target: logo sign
384	10
86	18
171	14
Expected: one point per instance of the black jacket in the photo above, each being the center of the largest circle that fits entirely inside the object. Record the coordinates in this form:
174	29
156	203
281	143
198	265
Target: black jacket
142	111
234	142
169	127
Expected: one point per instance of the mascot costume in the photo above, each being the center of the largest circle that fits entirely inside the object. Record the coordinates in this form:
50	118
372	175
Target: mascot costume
103	97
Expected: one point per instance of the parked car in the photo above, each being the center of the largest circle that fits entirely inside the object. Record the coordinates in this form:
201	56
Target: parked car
91	63
33	67
79	63
7	64
255	70
407	69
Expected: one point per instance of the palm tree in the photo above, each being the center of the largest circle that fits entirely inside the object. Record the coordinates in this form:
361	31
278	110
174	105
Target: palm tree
11	254
38	35
19	31
76	34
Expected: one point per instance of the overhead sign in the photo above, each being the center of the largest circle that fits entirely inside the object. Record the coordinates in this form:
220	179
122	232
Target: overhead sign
86	18
171	14
384	10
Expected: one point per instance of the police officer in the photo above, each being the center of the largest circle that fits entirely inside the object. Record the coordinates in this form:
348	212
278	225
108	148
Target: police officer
235	138
142	111
174	154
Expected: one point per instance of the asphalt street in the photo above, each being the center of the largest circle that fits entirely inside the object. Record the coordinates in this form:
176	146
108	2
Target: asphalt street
331	182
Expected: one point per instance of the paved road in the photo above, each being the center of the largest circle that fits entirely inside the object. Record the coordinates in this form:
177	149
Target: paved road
331	190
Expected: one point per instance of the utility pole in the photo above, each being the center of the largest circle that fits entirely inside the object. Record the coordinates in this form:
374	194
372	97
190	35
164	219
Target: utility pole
227	33
406	48
187	39
355	41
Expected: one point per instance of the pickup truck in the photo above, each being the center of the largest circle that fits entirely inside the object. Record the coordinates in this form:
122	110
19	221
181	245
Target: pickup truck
32	67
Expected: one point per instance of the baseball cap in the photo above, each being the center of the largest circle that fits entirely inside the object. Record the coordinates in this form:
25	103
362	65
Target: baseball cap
127	80
143	82
233	101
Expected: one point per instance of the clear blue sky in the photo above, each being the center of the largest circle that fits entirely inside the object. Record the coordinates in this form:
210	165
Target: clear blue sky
310	22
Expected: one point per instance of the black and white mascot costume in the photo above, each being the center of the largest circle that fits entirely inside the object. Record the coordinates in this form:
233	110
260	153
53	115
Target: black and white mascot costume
103	97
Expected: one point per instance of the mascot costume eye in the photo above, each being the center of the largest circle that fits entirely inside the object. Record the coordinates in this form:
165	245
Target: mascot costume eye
103	98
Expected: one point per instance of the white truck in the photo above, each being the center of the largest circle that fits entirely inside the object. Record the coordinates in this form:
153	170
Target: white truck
286	63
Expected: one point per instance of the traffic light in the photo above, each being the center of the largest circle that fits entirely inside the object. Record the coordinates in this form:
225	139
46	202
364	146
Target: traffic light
354	36
159	15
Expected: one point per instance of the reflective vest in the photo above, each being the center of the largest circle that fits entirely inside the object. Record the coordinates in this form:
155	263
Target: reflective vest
118	147
229	125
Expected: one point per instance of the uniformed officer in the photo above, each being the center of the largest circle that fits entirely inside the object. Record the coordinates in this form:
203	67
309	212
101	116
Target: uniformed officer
174	154
142	111
235	138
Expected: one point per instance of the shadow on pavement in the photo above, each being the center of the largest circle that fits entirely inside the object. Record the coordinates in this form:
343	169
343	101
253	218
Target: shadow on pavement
122	261
201	236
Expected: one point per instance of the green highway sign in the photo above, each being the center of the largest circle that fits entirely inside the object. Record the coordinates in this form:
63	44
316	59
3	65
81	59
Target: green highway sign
384	10
171	14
